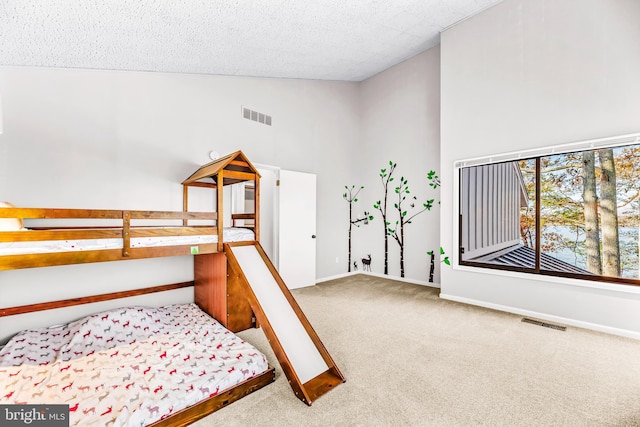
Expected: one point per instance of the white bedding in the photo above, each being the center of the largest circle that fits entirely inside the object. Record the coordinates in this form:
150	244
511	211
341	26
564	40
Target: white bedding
19	248
126	367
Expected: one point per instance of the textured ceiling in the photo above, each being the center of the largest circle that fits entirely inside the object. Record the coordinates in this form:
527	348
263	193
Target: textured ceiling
309	39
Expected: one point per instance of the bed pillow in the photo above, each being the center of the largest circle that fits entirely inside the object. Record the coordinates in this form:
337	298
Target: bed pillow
9	224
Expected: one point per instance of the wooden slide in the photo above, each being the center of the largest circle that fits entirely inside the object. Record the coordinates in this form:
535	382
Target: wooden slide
304	359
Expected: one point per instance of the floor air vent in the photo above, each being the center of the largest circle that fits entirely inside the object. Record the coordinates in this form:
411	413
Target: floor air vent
256	116
545	324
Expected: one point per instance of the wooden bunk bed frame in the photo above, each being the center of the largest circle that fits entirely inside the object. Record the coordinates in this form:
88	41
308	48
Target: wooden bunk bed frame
230	169
124	230
219	288
227	170
187	415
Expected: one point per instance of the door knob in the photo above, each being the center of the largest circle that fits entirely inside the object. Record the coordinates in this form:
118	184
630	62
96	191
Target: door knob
313	236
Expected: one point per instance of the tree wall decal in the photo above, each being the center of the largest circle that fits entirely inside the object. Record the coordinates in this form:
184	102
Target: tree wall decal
386	177
432	268
351	196
434	182
403	216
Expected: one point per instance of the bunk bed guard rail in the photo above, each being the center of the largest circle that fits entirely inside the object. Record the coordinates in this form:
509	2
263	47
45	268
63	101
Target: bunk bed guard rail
119	227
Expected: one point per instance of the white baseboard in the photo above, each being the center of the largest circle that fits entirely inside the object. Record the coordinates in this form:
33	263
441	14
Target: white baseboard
337	276
542	316
384	276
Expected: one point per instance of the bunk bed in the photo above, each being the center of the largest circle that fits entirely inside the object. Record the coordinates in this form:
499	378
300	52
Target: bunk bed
186	350
132	366
115	235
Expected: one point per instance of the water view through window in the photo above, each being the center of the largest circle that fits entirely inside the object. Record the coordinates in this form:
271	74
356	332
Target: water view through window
571	214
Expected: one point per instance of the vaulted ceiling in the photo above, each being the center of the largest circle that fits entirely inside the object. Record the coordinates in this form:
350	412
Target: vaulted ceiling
348	40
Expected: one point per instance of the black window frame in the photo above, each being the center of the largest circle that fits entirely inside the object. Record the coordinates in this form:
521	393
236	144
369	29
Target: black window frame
536	270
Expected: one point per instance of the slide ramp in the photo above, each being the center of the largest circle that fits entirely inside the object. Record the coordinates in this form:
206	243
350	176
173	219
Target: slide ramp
305	361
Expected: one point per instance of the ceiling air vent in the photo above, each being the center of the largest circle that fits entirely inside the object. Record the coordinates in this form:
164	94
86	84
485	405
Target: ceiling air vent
256	116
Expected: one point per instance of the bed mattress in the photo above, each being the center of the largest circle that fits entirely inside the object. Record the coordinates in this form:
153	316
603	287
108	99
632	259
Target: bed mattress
126	367
49	246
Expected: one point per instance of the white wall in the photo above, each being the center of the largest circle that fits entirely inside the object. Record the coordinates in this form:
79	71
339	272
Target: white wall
400	123
527	74
125	140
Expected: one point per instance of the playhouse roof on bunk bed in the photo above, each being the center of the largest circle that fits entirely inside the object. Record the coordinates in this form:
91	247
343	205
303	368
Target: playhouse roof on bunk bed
234	168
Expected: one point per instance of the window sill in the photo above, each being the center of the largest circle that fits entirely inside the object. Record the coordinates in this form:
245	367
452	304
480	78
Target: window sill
617	287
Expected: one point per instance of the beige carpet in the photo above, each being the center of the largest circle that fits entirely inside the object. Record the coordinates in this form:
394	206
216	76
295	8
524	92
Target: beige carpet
411	359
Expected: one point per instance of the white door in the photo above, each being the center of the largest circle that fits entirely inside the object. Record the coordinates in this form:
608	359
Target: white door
297	229
268	211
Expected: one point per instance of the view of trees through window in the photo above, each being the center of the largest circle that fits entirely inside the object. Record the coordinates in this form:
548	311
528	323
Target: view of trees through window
589	214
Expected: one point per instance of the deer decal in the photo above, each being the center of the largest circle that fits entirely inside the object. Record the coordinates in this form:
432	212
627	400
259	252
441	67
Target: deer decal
366	263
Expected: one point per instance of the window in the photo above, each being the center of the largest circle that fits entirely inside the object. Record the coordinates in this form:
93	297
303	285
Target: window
571	214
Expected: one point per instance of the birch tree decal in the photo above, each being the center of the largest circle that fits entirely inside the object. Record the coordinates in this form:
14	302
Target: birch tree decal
351	196
404	218
433	263
434	182
386	178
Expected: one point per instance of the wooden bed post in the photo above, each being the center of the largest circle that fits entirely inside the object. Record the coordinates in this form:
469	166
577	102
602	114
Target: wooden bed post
256	208
185	202
126	233
220	208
